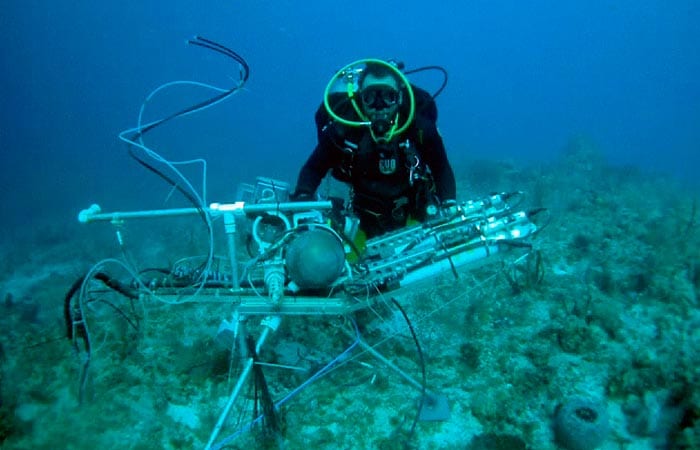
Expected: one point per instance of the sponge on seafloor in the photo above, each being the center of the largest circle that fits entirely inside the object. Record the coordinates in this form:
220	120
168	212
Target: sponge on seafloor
581	423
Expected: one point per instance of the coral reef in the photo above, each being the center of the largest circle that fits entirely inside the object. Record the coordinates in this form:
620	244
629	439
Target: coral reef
607	306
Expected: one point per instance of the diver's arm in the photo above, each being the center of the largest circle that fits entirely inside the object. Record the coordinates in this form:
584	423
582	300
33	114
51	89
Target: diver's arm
321	159
431	147
312	172
436	157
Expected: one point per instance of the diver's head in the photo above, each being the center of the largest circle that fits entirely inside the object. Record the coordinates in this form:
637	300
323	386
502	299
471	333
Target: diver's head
381	97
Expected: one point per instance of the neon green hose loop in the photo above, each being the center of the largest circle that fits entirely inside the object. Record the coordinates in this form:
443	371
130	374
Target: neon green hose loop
351	95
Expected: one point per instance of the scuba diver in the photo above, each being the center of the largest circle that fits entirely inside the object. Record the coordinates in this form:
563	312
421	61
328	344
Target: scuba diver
378	134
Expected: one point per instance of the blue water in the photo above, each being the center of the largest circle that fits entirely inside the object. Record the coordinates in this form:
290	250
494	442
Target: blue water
524	78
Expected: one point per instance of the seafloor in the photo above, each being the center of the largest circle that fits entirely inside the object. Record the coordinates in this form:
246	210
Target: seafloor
604	310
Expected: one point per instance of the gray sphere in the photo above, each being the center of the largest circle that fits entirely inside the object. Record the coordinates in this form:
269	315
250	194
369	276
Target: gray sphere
315	259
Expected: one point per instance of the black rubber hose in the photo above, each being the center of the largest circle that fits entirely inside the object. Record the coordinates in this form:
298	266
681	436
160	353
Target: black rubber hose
439	68
67	306
104	278
171	182
422	366
211	45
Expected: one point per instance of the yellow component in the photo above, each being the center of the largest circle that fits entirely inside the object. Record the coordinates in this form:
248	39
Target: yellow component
360	242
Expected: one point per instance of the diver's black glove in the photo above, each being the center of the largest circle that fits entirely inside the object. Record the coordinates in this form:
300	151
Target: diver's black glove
302	197
449	208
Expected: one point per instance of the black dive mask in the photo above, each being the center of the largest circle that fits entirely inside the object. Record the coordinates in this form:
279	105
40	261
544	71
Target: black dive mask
380	103
380	97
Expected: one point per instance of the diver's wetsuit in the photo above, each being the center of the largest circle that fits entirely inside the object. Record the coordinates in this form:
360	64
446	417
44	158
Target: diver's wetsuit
383	196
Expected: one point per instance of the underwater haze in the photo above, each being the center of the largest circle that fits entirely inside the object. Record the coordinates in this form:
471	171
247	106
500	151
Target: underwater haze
573	128
524	78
